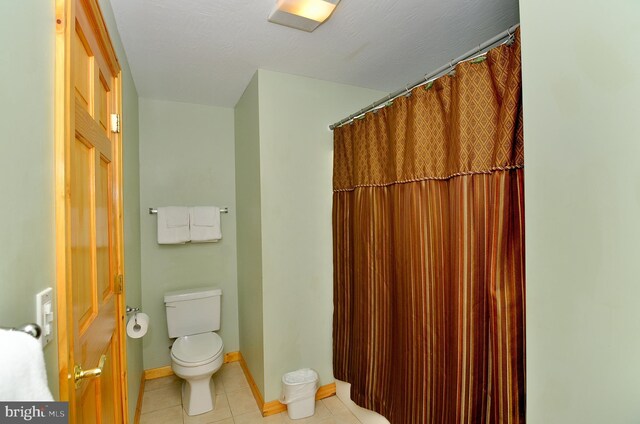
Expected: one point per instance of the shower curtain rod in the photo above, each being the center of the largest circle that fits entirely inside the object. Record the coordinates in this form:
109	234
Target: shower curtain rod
431	76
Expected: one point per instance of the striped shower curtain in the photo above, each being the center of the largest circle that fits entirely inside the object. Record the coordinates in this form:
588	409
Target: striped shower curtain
428	229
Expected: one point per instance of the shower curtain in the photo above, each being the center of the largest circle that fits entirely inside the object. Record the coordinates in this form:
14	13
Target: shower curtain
428	230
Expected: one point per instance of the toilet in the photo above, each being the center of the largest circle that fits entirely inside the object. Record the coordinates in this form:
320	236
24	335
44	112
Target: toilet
193	316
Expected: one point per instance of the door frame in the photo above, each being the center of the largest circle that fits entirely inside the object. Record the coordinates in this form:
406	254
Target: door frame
64	123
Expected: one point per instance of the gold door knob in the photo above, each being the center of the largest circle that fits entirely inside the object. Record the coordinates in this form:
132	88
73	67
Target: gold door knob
79	374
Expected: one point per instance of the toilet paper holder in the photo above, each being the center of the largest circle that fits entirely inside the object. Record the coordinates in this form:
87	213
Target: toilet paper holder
137	323
131	310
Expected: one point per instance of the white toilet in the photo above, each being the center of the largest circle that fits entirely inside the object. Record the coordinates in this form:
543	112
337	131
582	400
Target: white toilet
193	316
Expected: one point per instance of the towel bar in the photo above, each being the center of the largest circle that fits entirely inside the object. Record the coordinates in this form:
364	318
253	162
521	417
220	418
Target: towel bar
153	211
31	329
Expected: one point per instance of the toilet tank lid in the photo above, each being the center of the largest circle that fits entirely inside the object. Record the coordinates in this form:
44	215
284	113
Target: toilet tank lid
190	294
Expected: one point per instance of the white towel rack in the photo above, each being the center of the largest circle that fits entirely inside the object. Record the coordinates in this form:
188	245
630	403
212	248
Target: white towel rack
153	211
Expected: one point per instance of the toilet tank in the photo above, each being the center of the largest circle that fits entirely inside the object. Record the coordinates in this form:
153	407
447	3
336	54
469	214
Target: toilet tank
193	311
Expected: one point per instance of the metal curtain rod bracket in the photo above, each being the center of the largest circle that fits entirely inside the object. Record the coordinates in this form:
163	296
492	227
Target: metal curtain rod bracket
443	70
153	211
31	329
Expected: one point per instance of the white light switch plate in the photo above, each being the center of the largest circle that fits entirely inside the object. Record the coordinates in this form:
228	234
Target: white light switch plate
44	315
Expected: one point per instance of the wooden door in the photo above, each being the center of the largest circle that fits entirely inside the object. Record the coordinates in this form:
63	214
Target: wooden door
91	335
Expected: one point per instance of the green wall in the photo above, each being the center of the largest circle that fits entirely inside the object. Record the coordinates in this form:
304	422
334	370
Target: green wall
247	159
131	195
27	262
294	261
186	159
581	110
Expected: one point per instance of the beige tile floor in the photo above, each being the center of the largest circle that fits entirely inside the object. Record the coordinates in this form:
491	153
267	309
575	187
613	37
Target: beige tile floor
161	404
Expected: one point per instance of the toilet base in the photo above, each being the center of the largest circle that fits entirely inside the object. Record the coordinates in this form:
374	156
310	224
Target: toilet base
198	396
198	389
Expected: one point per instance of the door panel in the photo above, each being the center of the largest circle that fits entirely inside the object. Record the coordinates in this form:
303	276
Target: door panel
87	403
83	61
103	234
102	102
93	261
109	382
84	299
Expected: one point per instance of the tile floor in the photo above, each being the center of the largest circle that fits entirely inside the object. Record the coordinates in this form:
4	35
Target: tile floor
162	404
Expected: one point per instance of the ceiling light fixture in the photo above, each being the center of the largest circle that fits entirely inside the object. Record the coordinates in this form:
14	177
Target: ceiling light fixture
305	15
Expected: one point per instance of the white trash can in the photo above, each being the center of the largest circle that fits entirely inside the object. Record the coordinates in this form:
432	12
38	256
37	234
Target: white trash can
299	392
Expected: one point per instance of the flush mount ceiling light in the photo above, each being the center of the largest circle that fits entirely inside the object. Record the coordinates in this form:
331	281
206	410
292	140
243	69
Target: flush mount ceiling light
305	15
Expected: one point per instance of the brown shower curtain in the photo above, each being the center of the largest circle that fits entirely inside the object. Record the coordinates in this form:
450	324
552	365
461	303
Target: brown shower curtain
428	230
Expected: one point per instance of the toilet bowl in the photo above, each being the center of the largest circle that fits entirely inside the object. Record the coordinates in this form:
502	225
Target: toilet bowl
193	316
195	359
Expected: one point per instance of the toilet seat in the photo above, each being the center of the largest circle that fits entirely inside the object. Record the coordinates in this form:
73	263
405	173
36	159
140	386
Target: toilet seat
196	350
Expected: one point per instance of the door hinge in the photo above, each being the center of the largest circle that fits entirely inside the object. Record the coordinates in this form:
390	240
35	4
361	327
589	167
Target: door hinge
119	286
115	123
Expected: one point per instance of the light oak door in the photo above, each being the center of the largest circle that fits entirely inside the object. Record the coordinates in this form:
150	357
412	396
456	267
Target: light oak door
92	351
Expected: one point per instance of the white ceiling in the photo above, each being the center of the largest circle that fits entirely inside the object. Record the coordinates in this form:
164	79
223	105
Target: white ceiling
206	51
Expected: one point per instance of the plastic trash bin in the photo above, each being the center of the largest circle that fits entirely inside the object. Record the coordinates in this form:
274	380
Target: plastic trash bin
299	392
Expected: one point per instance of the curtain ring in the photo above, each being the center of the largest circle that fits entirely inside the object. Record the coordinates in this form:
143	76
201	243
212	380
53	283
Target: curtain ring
452	69
510	37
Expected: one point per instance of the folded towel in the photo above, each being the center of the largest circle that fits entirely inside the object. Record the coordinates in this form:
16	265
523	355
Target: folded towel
205	224
22	372
173	225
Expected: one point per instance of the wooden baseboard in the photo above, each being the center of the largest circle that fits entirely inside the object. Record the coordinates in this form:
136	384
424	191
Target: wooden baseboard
326	391
232	357
136	417
272	408
160	372
269	408
275	407
154	373
252	383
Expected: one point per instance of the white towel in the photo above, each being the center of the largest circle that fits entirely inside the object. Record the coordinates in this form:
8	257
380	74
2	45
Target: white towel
173	225
22	372
205	224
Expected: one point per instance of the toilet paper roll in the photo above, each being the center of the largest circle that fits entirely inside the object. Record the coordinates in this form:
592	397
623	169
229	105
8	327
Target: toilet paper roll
136	331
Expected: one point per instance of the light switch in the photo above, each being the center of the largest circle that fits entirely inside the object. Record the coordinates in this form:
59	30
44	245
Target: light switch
44	315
